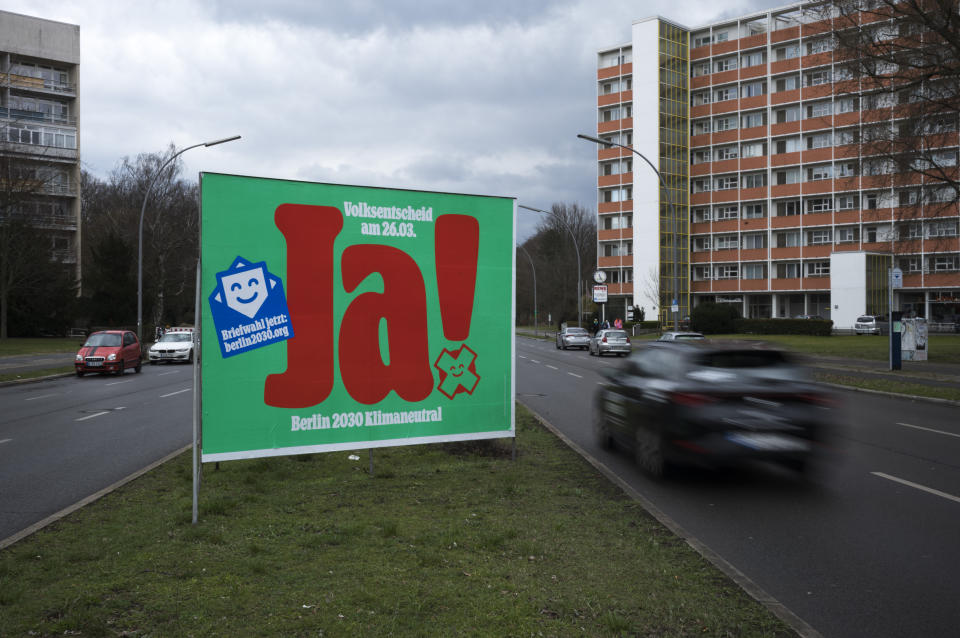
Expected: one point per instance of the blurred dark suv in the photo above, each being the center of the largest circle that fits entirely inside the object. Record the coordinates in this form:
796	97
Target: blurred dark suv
712	404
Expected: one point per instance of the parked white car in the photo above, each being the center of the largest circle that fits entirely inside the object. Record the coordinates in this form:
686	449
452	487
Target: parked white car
867	325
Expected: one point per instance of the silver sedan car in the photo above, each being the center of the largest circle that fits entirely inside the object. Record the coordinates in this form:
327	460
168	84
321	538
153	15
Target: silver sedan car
610	342
573	338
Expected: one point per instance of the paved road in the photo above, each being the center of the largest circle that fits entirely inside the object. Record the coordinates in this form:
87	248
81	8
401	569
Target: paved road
64	439
856	551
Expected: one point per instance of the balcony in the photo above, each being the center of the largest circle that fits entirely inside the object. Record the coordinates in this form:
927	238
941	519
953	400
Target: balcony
785	97
782	35
753	132
785	159
786	284
816	282
785	66
615	125
821	250
615	262
37	84
38	117
817	219
613	234
818	187
789	252
817	123
818	90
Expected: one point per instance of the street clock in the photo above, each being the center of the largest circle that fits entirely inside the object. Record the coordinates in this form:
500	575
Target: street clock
599	276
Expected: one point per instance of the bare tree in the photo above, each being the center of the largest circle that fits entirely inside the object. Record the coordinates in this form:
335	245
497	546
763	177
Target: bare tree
650	289
899	64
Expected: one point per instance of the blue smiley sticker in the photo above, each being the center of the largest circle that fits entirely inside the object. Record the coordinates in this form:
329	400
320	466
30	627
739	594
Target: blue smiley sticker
249	308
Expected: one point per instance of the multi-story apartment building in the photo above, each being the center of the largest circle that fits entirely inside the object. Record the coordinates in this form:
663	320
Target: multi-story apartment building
39	140
773	202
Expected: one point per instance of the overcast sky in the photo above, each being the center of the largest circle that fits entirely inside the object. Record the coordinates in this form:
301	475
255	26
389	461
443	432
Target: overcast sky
480	97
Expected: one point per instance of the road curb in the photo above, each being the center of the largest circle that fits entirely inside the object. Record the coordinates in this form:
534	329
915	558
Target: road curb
53	518
752	589
36	379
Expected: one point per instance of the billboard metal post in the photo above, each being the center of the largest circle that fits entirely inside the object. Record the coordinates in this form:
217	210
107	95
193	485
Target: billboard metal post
196	402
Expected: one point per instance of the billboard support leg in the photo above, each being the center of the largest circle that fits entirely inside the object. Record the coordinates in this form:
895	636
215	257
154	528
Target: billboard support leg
196	404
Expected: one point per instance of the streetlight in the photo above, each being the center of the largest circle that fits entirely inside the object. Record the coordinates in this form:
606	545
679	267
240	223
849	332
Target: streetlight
140	232
536	325
575	245
670	207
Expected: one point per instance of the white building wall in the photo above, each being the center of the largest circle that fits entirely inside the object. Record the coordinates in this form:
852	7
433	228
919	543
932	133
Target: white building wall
646	186
848	287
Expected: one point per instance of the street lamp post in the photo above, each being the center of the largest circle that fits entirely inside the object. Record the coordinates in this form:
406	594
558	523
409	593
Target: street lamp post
143	209
536	324
575	245
673	216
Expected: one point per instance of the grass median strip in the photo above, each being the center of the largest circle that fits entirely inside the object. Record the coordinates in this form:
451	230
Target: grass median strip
452	539
891	385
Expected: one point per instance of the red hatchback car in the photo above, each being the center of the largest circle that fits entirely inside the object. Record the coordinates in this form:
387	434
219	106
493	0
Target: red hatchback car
109	351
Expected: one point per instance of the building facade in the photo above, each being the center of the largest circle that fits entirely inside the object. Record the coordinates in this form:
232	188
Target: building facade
777	205
39	130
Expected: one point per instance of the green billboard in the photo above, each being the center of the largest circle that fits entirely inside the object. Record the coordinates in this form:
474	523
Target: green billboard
344	317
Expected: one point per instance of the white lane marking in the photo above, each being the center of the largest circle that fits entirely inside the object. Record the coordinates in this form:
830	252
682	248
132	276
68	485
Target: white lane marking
164	396
534	360
90	416
917	486
42	396
166	373
920	427
574	375
521	356
2	441
119	382
552	367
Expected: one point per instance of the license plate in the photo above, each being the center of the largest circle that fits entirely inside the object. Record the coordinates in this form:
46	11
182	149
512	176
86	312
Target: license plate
94	364
165	355
770	442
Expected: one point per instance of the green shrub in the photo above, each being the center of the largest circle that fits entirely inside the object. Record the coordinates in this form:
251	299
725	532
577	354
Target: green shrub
714	318
814	327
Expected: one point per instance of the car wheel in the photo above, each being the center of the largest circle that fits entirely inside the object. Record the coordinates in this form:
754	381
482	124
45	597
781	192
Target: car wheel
558	345
120	369
79	373
190	358
590	350
152	362
139	366
648	452
601	431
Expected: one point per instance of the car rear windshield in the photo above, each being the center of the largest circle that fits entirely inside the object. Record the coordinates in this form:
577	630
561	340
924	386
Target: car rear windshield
616	334
680	337
576	331
865	319
741	359
103	339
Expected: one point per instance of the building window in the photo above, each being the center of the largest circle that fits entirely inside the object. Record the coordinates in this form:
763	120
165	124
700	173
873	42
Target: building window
847	234
870	201
726	182
722	95
726	271
819	237
945	263
754	240
819	109
819	205
789	176
701	215
753	149
847	104
815	173
821	45
725	242
787	83
701	273
846	136
726	64
754	271
726	152
818	268
724	124
754	59
847	202
846	169
755	180
725	212
787	145
788	271
754	211
788	208
815	78
942	229
914	263
753	120
787	52
753	89
701	243
790	239
821	140
701	185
